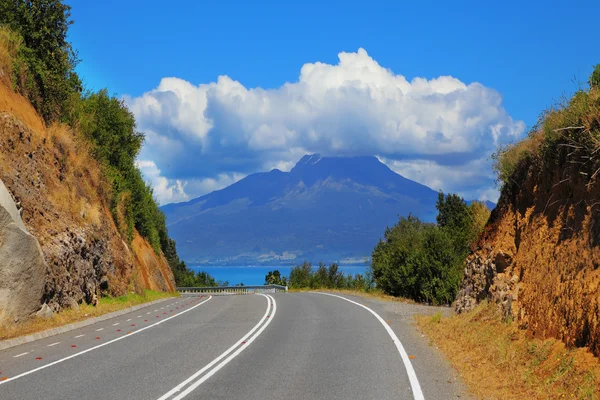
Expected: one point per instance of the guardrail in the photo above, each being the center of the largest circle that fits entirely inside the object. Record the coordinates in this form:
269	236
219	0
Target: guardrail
230	290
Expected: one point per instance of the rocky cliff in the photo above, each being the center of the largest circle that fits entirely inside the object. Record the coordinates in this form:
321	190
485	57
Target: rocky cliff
58	188
539	255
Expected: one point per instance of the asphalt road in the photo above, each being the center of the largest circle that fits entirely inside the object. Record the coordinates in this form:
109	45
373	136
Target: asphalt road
280	346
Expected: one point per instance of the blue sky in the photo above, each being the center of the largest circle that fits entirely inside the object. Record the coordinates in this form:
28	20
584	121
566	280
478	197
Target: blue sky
523	56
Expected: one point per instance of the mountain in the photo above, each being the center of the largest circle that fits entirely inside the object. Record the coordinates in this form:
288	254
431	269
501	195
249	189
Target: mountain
325	208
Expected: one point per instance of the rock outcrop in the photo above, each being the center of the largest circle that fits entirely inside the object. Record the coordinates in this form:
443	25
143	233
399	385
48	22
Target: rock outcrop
22	265
62	196
539	255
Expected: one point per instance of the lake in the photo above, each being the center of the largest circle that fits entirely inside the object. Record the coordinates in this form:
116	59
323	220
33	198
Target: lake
255	275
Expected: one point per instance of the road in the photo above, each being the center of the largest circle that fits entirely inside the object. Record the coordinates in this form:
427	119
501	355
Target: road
279	346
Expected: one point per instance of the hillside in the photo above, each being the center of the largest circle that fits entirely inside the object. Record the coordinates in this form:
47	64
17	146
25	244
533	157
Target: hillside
77	221
539	255
325	208
57	183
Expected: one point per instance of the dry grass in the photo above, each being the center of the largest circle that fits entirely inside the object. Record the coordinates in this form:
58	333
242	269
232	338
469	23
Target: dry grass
498	361
105	305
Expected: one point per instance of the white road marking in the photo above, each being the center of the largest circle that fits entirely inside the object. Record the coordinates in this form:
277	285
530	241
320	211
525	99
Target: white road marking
155	310
148	313
412	376
115	324
240	345
100	345
78	336
128	320
53	344
19	355
99	329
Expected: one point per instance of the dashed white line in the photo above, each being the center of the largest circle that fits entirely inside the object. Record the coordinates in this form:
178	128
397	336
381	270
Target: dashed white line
78	336
128	320
53	344
115	324
100	345
19	355
99	329
148	313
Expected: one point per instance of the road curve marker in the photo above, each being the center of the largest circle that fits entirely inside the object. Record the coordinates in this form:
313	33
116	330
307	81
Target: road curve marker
410	371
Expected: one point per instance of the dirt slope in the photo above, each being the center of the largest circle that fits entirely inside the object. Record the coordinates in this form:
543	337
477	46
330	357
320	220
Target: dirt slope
52	176
539	255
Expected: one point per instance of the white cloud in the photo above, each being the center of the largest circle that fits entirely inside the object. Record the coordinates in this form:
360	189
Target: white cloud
216	131
166	191
472	180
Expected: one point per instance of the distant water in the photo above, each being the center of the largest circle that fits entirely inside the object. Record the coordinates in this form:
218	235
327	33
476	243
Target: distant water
255	275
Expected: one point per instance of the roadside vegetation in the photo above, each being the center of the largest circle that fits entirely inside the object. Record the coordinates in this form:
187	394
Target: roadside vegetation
105	305
304	276
425	261
39	62
497	360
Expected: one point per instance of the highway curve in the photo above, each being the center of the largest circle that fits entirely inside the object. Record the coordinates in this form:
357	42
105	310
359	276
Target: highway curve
280	346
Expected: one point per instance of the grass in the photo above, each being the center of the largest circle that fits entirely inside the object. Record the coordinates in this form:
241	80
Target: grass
571	126
498	361
105	305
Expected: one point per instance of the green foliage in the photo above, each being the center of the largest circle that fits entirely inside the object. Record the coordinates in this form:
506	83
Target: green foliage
329	277
44	69
275	278
424	261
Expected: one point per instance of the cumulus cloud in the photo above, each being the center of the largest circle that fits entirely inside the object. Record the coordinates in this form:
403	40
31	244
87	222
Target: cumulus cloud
221	130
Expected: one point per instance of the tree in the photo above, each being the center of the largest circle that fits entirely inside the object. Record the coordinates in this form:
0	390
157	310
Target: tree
45	69
455	217
300	276
275	278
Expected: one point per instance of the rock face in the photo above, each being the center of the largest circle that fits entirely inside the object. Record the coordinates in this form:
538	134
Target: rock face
62	197
22	265
539	255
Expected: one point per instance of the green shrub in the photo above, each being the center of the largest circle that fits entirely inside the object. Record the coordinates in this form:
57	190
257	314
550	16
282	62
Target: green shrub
325	277
424	261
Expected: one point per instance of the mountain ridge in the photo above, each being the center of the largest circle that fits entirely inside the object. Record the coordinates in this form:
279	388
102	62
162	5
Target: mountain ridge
336	208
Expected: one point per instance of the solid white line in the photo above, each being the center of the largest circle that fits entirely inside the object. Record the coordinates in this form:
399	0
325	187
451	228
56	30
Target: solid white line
100	345
19	355
78	336
178	388
53	344
100	329
412	376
